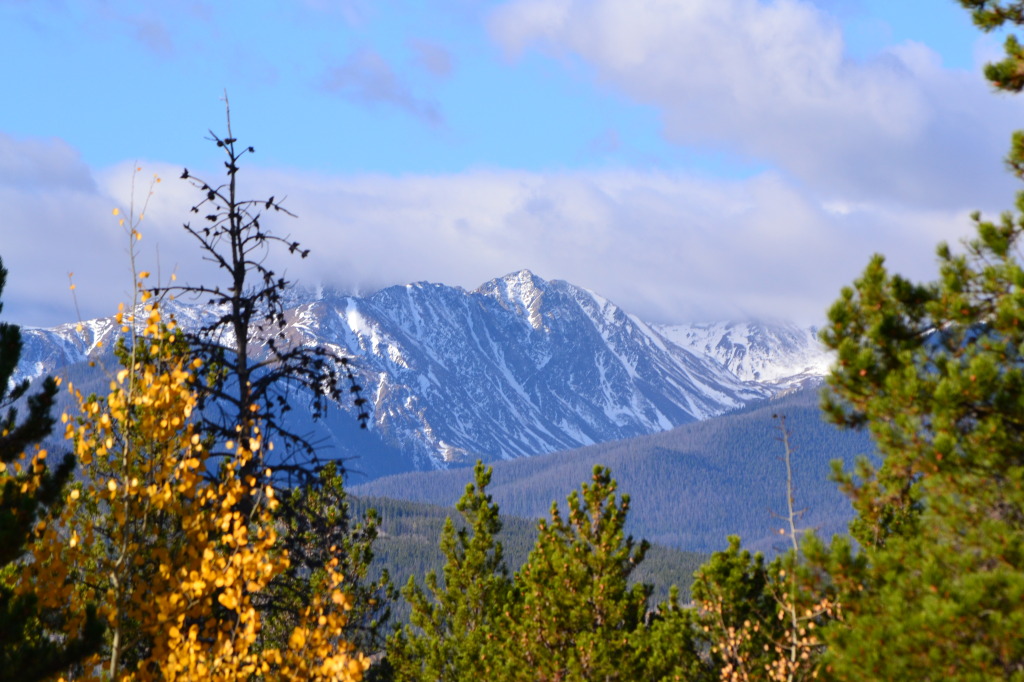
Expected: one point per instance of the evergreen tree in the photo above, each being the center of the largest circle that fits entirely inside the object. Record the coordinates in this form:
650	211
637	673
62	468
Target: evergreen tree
324	527
737	611
759	621
30	494
674	644
575	616
453	624
936	372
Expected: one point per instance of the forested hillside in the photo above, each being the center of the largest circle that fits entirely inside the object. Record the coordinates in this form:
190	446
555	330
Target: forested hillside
691	486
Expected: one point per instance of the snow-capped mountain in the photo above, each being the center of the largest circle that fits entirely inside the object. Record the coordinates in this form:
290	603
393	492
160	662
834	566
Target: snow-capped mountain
520	366
778	354
45	351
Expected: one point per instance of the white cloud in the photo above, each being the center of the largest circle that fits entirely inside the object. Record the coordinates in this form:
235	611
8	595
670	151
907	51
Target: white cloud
43	164
773	81
152	33
666	246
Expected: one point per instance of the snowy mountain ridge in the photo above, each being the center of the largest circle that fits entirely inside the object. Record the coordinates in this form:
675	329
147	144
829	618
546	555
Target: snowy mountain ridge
520	366
773	353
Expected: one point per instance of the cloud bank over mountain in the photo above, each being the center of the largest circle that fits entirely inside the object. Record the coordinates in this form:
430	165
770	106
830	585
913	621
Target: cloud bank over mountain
671	246
692	160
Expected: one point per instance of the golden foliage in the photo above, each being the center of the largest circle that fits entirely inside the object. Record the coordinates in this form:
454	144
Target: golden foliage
170	545
790	654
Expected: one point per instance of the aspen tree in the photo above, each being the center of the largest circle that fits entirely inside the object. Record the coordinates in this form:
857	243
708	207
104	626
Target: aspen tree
157	535
164	551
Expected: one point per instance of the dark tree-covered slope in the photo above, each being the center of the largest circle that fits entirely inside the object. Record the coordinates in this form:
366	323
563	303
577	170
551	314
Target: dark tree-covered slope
691	486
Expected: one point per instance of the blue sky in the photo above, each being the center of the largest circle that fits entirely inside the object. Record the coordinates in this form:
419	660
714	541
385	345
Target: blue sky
685	158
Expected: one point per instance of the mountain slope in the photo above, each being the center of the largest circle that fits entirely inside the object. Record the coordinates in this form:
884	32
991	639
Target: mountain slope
410	532
518	367
691	486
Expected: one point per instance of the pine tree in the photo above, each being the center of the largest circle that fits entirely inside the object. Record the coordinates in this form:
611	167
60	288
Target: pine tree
673	646
326	530
249	361
454	623
30	494
737	612
758	620
936	372
575	615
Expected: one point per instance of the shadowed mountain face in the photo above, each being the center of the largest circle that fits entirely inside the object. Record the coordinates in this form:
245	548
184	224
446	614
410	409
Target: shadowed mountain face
521	366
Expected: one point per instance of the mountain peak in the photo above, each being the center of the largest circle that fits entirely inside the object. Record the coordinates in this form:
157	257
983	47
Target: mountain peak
522	280
521	291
